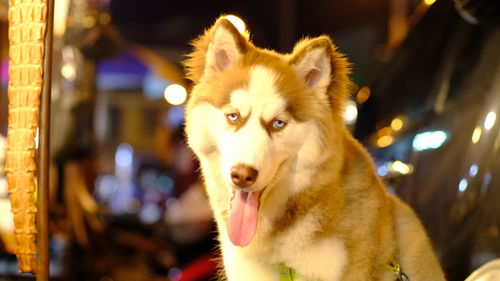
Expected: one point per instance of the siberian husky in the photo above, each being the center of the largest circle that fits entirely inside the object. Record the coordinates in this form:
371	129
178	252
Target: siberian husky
294	195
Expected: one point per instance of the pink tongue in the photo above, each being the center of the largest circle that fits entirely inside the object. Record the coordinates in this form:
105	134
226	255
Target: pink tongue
242	222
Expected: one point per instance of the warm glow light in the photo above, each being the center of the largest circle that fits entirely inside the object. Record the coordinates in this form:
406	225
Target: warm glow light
175	94
397	124
37	137
429	140
68	71
6	219
401	167
89	22
490	120
104	18
363	94
429	2
60	16
384	131
237	22
385	141
476	135
350	113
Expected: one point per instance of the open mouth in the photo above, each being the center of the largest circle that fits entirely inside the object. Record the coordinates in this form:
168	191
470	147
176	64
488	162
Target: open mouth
243	216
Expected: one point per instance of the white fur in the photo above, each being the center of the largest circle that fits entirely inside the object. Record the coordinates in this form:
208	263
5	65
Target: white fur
296	150
265	99
209	123
251	144
322	260
241	102
242	267
309	156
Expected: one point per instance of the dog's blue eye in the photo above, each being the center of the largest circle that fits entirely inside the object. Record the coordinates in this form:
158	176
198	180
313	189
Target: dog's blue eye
278	124
232	117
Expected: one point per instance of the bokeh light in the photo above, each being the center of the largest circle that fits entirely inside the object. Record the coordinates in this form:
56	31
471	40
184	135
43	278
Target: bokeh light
175	94
476	135
397	124
473	170
350	113
402	168
363	94
237	22
462	186
385	141
490	120
68	71
429	140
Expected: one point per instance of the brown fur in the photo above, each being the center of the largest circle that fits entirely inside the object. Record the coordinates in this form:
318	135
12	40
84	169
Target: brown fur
345	193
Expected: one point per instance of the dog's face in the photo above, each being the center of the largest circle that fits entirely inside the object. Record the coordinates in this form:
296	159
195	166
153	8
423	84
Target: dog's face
253	110
258	132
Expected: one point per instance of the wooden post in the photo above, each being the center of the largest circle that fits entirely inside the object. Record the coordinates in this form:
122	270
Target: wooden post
44	153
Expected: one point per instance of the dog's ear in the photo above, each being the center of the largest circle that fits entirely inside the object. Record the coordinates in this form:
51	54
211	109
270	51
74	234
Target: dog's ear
217	49
322	68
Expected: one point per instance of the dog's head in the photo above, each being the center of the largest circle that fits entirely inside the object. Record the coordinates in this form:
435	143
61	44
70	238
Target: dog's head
252	111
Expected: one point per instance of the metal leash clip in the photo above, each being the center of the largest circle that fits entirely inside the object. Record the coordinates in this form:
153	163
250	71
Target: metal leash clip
400	276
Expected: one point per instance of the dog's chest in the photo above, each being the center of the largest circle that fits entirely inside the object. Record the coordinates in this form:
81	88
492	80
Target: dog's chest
321	260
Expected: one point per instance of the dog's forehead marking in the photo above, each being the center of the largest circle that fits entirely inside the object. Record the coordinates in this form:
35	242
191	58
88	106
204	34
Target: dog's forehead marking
261	96
240	101
262	80
264	94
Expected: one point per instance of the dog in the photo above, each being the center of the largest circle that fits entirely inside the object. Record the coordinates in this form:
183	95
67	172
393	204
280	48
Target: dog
294	195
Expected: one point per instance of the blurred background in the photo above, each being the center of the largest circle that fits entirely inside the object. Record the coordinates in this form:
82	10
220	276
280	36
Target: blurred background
126	200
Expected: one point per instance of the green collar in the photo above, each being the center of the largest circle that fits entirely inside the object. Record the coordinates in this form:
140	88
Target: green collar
289	274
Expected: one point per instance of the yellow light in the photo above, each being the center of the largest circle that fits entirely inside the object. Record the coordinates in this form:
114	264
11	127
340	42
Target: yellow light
175	94
68	71
397	124
490	120
350	113
237	22
385	141
7	219
37	137
429	2
60	15
363	94
88	21
105	18
384	131
476	135
402	168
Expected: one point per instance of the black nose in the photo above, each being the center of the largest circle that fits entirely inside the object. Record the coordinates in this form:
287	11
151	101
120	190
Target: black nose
243	175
